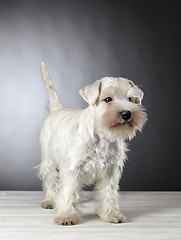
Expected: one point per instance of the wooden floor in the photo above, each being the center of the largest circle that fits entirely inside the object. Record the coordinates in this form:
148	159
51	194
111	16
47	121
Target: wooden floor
150	215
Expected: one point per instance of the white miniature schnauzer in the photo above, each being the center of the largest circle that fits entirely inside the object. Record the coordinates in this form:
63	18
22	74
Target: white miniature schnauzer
88	146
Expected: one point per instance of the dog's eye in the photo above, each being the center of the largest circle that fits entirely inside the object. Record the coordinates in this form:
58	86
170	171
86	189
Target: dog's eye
130	99
108	99
133	100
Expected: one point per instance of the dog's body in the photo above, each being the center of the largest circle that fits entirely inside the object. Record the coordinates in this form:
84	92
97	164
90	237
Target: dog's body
87	146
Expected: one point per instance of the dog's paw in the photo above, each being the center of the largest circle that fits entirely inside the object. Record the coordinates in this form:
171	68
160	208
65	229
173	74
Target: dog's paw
47	204
115	218
119	218
70	220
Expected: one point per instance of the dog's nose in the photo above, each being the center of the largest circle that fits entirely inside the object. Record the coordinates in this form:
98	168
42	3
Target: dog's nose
126	115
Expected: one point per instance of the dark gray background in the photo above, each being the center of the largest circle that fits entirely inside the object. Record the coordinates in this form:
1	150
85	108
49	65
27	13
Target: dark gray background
81	42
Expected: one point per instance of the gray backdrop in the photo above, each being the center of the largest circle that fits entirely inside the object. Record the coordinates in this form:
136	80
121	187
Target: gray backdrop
81	42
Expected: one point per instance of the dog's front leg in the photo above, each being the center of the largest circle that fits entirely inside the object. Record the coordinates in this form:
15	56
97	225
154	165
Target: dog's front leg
68	199
107	196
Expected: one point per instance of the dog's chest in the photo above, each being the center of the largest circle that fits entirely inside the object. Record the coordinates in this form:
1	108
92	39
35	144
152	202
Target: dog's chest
100	156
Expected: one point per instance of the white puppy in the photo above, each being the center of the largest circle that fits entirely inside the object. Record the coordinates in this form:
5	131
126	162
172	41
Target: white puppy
87	146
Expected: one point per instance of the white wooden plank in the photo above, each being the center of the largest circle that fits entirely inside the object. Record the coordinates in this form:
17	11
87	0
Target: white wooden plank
150	215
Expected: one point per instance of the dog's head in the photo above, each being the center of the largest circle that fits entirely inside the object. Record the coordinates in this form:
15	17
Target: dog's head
118	109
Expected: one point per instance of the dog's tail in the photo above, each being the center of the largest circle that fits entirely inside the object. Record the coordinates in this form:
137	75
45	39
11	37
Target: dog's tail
54	102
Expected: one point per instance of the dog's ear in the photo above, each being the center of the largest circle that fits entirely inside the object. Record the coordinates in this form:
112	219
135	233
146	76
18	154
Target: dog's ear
136	92
90	93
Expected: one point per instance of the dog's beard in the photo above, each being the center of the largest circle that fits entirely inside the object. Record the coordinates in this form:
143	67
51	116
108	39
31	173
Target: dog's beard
117	128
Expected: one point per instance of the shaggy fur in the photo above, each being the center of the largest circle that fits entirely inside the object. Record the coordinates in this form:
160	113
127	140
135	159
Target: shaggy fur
88	146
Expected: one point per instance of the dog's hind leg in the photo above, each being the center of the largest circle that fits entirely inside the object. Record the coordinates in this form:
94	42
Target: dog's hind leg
49	176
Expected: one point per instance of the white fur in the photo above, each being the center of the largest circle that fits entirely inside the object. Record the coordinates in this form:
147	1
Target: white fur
87	146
